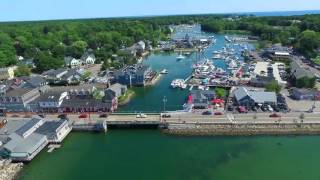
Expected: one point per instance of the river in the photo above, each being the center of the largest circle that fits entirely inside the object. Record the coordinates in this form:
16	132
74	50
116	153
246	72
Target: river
151	155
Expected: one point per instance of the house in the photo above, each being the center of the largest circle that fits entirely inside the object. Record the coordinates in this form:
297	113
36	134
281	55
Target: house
137	75
35	82
201	99
73	76
27	138
88	58
54	75
245	97
7	73
305	94
18	100
72	62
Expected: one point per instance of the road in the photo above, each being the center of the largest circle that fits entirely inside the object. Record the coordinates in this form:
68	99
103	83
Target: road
293	117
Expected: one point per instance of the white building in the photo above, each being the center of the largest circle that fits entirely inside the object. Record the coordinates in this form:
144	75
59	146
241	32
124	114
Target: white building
72	62
88	58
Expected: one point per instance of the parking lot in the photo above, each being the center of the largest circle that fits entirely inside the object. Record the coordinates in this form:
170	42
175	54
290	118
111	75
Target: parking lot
300	105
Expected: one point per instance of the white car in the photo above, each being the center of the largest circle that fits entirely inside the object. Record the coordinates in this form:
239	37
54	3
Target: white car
270	108
141	116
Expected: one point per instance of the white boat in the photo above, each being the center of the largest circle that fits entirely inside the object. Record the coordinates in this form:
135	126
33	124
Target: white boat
178	83
164	71
201	87
180	57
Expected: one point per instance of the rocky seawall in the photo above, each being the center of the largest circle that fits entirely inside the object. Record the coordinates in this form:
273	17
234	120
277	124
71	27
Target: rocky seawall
242	129
8	170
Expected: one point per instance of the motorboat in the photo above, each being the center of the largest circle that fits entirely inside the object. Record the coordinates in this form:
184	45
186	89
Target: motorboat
180	57
178	83
164	71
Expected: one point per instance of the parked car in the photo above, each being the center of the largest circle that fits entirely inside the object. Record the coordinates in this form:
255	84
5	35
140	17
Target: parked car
207	113
103	115
218	113
141	116
42	115
275	115
242	109
166	116
270	108
62	116
15	115
82	116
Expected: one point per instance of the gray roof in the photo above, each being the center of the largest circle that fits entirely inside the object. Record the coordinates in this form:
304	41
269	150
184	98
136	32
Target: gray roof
50	97
17	92
28	145
299	72
256	96
36	81
27	126
50	128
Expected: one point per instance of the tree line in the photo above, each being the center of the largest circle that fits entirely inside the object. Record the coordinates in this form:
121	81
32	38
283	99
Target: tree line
48	42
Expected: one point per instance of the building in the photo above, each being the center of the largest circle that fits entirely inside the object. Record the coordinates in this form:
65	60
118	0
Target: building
137	75
7	73
88	58
50	102
118	89
54	75
299	71
305	94
24	144
72	62
55	131
245	97
28	138
19	100
261	81
201	99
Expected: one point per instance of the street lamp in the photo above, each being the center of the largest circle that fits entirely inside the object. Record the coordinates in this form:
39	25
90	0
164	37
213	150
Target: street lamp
164	100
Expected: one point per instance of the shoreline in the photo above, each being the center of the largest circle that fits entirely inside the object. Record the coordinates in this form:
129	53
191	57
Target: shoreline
10	171
128	99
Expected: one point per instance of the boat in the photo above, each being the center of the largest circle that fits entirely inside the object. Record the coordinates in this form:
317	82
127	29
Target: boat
164	71
178	83
180	57
201	87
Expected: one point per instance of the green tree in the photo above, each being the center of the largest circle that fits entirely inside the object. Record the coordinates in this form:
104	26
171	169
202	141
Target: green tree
220	92
22	70
273	87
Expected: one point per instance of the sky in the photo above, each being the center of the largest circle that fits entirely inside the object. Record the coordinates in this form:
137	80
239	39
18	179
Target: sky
21	10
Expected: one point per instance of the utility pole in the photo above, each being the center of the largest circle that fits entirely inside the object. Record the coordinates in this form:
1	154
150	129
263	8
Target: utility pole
164	100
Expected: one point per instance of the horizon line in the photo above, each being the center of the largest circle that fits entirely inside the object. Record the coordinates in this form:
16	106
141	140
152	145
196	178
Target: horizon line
313	11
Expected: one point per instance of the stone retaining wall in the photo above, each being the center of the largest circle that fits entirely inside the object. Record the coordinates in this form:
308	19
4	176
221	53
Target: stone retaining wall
242	129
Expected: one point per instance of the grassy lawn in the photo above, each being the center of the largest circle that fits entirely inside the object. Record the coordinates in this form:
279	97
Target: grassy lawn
126	97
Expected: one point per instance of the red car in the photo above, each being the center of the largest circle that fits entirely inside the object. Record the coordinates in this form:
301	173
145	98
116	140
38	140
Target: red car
274	115
218	113
242	109
82	116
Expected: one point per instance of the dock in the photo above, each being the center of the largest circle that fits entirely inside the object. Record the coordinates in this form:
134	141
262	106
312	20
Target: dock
92	126
52	147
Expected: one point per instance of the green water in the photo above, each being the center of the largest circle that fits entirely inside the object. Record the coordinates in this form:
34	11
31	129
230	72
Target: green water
148	154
